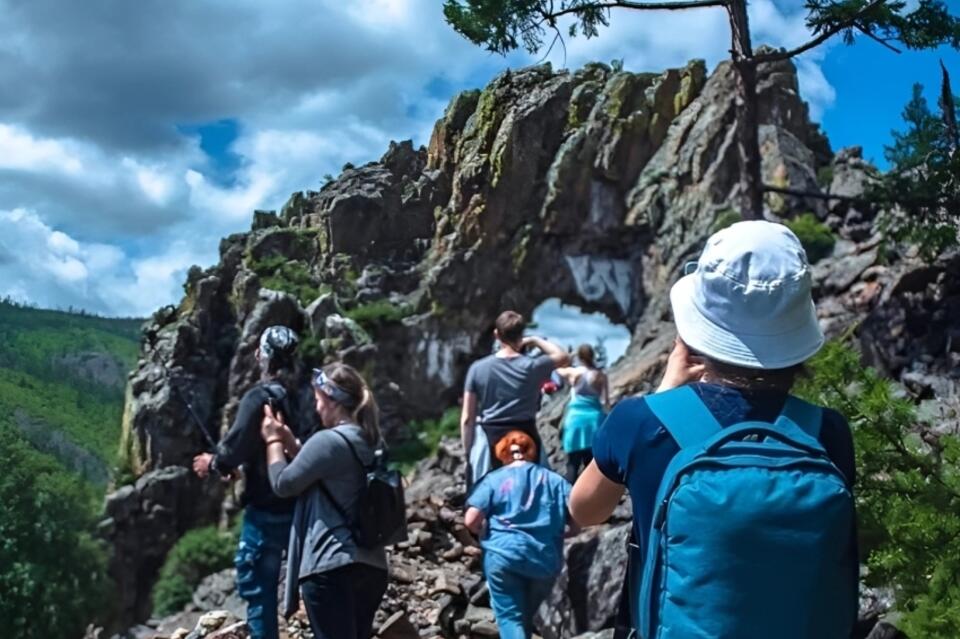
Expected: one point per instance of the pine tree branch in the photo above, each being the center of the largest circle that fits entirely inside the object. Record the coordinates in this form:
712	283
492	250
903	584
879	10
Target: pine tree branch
877	39
642	6
849	23
670	6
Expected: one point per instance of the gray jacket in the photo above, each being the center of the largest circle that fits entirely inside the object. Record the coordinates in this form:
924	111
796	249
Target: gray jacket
320	539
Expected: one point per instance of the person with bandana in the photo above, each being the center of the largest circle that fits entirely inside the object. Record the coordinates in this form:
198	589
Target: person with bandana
341	581
266	516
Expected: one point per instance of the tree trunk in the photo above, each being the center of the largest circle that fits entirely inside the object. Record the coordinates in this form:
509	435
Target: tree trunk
748	143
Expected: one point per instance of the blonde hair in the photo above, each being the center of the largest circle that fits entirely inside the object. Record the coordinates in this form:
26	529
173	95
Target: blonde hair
365	413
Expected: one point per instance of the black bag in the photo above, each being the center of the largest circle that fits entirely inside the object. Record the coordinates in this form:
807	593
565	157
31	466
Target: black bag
381	517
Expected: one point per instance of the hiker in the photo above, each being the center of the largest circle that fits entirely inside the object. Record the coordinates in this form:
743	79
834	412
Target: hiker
266	517
502	393
519	511
341	582
588	405
744	487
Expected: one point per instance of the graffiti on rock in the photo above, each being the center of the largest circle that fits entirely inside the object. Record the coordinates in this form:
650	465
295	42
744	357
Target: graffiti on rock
598	278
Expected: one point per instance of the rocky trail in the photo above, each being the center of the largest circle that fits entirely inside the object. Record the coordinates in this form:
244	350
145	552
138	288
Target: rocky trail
593	187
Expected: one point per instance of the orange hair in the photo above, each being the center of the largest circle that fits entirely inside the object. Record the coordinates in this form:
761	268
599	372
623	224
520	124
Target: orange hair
504	452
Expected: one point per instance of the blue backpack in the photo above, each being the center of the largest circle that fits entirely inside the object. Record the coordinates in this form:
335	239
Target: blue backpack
752	536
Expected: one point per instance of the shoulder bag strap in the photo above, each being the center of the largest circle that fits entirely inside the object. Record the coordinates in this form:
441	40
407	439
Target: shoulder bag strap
328	494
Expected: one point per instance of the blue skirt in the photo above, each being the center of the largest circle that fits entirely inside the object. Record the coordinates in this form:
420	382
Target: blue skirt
581	421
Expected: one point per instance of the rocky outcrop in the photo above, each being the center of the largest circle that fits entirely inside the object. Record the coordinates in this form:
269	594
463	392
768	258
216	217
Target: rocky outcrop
851	177
591	186
142	523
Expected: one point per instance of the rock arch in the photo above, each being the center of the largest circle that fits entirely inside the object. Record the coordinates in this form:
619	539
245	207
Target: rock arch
590	186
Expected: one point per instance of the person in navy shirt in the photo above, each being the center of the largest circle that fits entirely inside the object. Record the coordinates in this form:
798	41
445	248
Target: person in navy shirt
746	324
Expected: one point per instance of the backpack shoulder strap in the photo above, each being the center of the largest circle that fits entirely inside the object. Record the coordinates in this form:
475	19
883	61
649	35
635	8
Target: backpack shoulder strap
804	415
684	415
353	451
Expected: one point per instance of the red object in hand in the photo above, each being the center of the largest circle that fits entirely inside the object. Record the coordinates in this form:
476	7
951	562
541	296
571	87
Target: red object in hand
549	387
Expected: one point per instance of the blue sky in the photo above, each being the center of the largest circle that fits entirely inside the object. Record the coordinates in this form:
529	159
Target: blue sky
133	136
872	86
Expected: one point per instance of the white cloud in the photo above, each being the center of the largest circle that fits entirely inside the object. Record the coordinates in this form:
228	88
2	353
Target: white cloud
49	268
118	202
815	88
21	151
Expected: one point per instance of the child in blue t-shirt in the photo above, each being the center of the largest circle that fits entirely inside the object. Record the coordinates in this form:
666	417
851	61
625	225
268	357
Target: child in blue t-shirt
520	513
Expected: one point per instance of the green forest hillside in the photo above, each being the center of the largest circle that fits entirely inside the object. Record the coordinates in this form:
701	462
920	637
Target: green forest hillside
62	379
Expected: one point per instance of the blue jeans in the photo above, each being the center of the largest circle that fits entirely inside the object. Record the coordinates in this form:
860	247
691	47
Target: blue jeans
515	597
263	538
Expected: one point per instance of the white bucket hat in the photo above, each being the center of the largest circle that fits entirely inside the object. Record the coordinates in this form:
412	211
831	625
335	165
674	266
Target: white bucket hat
748	302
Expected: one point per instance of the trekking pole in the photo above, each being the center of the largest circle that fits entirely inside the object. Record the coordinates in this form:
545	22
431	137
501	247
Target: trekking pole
190	410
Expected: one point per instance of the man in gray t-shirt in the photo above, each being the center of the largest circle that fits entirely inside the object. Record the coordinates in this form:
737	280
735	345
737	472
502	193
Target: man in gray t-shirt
503	389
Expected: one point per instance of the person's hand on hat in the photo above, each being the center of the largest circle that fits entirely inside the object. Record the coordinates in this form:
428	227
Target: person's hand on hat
683	367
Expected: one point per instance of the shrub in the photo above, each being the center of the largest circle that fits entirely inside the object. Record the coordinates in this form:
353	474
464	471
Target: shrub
427	436
198	553
825	176
908	491
725	218
817	238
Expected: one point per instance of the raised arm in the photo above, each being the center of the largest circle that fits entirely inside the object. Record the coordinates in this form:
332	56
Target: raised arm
594	497
556	353
314	461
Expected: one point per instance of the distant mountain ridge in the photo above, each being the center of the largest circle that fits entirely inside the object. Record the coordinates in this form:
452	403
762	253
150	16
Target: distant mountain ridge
62	379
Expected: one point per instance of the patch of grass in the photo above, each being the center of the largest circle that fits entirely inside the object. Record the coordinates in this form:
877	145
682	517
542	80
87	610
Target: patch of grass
280	274
379	312
817	238
312	351
427	433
